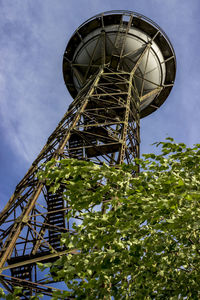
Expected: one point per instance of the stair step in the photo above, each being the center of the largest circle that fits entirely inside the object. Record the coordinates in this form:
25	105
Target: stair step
54	207
56	220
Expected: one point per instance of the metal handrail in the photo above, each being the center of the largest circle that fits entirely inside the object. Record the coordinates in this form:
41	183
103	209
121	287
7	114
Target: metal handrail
128	13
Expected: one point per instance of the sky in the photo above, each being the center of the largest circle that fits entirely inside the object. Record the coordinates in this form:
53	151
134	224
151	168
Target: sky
33	96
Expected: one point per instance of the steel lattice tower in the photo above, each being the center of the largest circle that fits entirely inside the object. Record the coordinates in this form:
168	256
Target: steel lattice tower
118	66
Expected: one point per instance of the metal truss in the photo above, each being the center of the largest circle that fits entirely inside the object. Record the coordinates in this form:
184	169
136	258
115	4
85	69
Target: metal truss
101	125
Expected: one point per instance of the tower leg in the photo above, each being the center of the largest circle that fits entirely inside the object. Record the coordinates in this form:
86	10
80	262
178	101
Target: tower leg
101	125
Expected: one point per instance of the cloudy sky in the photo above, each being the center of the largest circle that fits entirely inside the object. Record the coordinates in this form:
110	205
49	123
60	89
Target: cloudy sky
33	97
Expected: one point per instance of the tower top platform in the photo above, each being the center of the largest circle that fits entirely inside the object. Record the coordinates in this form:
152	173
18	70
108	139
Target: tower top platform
116	40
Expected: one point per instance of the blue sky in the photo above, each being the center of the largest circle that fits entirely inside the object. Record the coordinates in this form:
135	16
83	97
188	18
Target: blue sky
33	97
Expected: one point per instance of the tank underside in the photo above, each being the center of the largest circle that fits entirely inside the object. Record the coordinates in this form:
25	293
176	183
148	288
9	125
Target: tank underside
116	40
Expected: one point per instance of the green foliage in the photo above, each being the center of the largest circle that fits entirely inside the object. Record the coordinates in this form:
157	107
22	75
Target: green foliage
16	295
13	296
143	240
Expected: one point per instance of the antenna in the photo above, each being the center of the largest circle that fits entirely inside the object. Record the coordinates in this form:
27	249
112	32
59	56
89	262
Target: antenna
119	67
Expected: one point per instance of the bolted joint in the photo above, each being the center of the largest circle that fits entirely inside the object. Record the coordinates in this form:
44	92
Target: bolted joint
22	219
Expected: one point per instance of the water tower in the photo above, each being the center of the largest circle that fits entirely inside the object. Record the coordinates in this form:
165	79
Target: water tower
119	67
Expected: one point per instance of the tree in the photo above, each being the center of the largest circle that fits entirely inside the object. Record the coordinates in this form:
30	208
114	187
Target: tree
139	235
